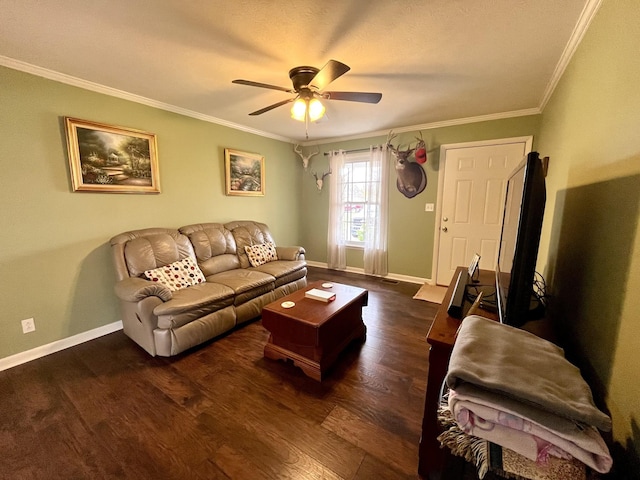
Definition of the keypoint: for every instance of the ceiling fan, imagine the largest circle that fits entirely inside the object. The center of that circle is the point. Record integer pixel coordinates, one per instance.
(308, 87)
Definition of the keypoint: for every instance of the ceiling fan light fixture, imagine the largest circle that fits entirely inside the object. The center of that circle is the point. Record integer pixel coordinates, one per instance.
(303, 107)
(316, 109)
(299, 109)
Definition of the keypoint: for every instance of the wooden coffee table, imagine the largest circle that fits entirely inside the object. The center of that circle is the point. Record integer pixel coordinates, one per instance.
(313, 333)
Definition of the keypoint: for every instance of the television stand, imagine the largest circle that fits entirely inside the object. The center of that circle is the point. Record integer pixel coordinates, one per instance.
(432, 459)
(441, 338)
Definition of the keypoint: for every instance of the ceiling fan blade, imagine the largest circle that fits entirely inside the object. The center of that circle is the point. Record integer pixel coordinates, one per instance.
(327, 74)
(262, 85)
(271, 107)
(365, 97)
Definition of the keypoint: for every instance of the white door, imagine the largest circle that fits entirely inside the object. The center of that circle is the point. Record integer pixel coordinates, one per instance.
(471, 200)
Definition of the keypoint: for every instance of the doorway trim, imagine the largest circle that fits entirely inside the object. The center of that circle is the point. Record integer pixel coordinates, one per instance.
(527, 140)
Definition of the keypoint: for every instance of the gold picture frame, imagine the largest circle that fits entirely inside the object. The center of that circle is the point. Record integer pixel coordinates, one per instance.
(244, 173)
(110, 159)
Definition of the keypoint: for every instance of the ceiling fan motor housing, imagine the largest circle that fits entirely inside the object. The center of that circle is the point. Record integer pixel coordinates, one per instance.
(302, 76)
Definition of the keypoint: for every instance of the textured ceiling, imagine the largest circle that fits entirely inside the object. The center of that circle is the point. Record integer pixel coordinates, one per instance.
(434, 61)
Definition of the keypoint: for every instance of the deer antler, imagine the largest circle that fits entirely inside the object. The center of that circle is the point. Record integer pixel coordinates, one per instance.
(320, 181)
(390, 136)
(400, 155)
(305, 158)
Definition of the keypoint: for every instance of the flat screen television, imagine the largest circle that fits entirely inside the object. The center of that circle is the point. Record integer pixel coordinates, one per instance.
(519, 241)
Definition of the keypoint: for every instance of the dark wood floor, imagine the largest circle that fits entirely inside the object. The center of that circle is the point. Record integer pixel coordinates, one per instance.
(106, 409)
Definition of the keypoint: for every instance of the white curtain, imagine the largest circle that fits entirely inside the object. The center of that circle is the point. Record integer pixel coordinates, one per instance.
(336, 251)
(377, 212)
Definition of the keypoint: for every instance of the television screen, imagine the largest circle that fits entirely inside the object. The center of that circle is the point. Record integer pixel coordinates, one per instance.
(519, 240)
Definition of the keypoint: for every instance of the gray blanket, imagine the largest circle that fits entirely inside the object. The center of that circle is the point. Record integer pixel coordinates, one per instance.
(523, 367)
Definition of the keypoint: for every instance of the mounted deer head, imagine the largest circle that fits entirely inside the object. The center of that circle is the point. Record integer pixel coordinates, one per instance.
(401, 156)
(305, 158)
(411, 177)
(320, 181)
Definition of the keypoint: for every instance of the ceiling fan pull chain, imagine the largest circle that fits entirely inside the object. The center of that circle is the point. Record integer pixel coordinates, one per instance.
(306, 123)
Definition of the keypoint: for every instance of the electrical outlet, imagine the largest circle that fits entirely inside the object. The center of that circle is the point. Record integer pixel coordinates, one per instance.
(28, 325)
(429, 207)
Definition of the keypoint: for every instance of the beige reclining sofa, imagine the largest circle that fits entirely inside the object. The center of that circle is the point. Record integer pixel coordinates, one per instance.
(180, 288)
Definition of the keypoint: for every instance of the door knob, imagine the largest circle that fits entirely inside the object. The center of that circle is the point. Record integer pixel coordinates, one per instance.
(445, 229)
(445, 219)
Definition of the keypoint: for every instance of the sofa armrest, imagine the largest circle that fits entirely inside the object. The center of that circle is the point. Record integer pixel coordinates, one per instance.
(134, 289)
(290, 253)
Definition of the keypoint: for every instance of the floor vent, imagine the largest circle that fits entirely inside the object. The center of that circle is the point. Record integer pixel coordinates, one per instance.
(392, 282)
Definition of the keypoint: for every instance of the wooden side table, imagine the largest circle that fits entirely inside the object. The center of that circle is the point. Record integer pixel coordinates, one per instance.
(441, 337)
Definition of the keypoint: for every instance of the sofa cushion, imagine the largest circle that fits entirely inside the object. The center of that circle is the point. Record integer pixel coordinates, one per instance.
(214, 245)
(285, 271)
(248, 233)
(188, 304)
(177, 275)
(150, 248)
(245, 283)
(282, 268)
(261, 254)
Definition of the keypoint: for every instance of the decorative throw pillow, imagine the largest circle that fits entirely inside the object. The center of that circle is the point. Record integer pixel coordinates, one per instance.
(261, 254)
(177, 275)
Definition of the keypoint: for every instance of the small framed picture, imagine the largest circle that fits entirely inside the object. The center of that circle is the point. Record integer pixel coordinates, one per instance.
(110, 159)
(244, 173)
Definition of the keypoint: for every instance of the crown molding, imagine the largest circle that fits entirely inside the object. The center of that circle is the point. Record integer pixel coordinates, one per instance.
(113, 92)
(586, 17)
(428, 126)
(98, 88)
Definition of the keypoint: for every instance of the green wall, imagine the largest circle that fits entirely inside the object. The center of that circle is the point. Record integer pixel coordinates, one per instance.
(54, 254)
(591, 240)
(411, 229)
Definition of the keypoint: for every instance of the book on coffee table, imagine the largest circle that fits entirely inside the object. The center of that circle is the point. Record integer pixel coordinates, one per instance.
(322, 295)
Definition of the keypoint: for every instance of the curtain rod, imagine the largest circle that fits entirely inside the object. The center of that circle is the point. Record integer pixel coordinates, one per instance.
(356, 150)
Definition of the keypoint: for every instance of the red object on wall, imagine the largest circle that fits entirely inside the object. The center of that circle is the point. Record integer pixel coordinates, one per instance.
(421, 150)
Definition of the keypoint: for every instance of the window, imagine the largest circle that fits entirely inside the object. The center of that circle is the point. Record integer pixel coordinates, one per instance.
(358, 208)
(354, 188)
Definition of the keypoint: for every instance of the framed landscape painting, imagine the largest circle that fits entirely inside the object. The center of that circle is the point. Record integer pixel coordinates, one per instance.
(105, 158)
(244, 173)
